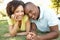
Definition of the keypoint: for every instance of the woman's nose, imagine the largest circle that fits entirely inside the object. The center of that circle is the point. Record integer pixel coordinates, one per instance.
(20, 14)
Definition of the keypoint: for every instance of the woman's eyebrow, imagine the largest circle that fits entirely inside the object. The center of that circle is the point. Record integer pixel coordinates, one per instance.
(22, 10)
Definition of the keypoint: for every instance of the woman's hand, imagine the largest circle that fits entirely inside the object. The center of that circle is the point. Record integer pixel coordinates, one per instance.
(15, 17)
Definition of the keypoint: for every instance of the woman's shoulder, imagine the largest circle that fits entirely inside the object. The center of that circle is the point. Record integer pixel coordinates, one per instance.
(25, 17)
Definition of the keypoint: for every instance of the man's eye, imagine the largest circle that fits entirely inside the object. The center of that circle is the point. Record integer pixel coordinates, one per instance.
(30, 11)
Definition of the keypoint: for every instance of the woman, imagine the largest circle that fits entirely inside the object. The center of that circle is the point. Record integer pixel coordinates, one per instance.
(17, 20)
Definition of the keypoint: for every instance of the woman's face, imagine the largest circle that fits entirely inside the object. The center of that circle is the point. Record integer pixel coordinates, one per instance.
(19, 12)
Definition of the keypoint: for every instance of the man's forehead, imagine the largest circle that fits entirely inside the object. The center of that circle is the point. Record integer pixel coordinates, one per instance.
(28, 8)
(30, 5)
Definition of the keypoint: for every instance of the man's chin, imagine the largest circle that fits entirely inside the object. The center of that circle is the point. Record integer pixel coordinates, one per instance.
(33, 18)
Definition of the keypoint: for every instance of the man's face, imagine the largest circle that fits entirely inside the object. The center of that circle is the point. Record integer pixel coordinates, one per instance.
(32, 11)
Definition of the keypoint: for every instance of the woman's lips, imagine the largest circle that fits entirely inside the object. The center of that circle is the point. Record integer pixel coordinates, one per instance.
(19, 17)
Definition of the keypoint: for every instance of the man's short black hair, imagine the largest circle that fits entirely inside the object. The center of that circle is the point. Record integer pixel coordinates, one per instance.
(28, 3)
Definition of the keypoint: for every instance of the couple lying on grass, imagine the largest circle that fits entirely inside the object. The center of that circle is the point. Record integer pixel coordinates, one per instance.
(24, 18)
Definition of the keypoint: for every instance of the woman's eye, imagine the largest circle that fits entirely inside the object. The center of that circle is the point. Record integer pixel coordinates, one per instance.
(22, 11)
(17, 11)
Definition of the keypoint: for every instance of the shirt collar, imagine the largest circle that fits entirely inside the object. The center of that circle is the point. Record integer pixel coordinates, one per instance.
(41, 13)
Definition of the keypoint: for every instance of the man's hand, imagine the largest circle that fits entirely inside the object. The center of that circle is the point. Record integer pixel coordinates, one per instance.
(31, 36)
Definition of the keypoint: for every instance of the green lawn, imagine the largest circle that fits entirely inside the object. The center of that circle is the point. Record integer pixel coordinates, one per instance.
(4, 29)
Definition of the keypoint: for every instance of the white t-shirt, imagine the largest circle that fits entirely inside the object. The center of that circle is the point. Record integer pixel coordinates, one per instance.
(47, 19)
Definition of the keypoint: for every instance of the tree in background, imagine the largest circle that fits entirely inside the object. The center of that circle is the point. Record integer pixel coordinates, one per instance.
(3, 12)
(56, 4)
(1, 1)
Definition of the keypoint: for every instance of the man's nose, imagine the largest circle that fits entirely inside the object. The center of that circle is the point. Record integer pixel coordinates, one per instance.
(30, 14)
(33, 16)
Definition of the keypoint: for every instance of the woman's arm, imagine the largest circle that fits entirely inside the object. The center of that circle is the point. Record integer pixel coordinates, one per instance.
(13, 29)
(28, 26)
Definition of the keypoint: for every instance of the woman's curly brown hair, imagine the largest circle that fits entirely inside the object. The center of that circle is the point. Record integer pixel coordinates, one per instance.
(12, 5)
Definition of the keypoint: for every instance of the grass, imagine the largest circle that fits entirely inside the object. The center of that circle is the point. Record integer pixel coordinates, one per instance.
(4, 29)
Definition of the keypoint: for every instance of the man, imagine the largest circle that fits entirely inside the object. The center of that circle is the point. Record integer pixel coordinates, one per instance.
(45, 20)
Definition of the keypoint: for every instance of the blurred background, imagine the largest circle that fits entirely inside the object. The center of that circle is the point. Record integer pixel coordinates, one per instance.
(53, 4)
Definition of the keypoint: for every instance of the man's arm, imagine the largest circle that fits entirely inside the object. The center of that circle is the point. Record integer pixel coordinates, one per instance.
(51, 35)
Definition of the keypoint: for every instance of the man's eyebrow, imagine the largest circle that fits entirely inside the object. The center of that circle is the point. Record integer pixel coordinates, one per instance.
(30, 11)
